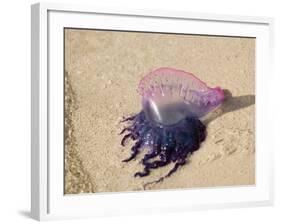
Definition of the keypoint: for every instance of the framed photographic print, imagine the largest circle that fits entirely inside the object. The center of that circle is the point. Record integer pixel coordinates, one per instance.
(148, 111)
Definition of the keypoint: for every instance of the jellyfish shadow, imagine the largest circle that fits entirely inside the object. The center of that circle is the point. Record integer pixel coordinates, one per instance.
(231, 104)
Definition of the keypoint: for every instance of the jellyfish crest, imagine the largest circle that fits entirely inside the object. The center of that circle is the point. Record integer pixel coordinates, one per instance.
(170, 95)
(207, 101)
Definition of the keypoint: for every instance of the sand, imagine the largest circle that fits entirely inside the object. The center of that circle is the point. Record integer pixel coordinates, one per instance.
(102, 71)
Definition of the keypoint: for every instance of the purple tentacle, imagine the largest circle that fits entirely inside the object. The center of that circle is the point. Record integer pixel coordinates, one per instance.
(135, 151)
(123, 141)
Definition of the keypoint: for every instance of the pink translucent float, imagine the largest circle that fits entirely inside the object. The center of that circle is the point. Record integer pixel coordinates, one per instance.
(170, 95)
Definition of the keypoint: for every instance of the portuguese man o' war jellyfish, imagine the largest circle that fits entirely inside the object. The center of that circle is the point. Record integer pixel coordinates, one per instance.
(169, 126)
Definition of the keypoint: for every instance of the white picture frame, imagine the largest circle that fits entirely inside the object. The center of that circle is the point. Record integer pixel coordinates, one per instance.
(48, 201)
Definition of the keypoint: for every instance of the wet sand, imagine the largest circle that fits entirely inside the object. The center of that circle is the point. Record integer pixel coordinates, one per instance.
(102, 71)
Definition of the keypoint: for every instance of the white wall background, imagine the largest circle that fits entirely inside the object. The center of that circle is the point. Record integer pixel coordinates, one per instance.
(15, 110)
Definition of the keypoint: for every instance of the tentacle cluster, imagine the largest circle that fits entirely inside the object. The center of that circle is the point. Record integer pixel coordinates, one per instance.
(165, 144)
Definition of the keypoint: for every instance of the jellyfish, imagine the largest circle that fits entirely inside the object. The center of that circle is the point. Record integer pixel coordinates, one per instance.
(169, 126)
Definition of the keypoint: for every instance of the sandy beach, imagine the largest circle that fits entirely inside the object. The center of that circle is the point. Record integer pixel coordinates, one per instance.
(102, 72)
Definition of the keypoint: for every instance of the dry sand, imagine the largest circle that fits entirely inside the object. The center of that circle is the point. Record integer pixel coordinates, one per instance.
(102, 71)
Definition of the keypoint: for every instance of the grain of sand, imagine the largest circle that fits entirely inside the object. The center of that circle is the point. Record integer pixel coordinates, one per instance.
(102, 71)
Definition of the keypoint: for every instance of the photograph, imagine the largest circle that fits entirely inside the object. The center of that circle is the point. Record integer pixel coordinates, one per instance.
(140, 112)
(157, 111)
